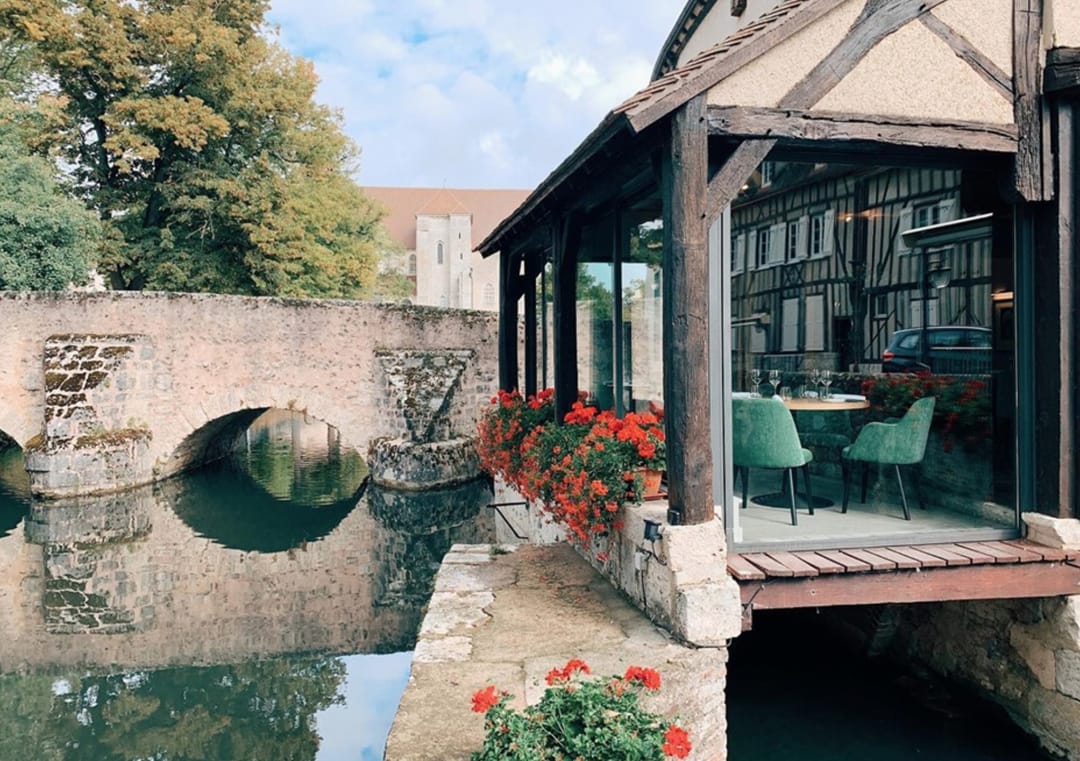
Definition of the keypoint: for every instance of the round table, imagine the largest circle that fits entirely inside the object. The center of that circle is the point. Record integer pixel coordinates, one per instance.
(826, 405)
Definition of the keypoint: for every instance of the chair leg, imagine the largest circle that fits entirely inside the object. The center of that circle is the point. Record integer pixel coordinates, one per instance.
(845, 467)
(903, 497)
(791, 494)
(916, 476)
(865, 480)
(809, 491)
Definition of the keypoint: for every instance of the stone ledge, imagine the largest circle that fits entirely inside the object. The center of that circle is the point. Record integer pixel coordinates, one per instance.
(510, 618)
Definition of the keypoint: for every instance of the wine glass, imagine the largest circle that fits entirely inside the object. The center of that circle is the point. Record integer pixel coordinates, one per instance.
(815, 379)
(826, 381)
(755, 382)
(774, 379)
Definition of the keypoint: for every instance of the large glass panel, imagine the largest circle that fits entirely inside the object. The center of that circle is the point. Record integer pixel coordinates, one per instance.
(643, 316)
(859, 292)
(595, 315)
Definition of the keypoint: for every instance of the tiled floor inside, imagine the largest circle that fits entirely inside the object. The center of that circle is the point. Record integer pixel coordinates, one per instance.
(881, 517)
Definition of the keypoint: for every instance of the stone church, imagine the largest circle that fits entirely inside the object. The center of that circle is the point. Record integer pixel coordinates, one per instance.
(439, 229)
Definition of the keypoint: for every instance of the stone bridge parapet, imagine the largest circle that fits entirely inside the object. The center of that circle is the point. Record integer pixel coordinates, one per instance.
(107, 391)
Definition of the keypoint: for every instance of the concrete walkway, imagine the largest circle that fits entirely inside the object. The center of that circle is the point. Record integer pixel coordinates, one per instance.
(507, 617)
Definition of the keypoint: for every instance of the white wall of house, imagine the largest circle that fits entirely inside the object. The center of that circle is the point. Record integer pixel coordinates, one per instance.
(719, 23)
(1063, 29)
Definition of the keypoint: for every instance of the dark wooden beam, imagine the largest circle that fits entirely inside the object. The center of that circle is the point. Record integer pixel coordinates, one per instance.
(533, 266)
(509, 292)
(1062, 69)
(564, 303)
(879, 19)
(700, 80)
(970, 55)
(725, 184)
(968, 582)
(800, 125)
(686, 316)
(1033, 178)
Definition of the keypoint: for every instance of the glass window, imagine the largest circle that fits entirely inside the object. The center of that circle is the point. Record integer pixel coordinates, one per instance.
(595, 315)
(889, 336)
(439, 252)
(642, 322)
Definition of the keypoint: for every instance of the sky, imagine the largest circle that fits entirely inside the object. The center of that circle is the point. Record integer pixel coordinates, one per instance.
(473, 93)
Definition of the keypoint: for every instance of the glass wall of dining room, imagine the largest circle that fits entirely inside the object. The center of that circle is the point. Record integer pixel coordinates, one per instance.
(876, 303)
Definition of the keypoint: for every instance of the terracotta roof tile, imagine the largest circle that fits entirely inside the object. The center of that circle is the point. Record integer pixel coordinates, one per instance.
(487, 207)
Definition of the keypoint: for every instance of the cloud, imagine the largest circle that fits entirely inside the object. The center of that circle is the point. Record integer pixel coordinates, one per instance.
(473, 93)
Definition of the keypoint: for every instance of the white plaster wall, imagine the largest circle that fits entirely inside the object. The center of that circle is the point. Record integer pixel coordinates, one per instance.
(485, 272)
(769, 78)
(719, 24)
(433, 279)
(1064, 23)
(913, 73)
(986, 24)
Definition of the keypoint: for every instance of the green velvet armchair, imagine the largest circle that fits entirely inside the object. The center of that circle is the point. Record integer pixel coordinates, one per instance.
(900, 443)
(764, 436)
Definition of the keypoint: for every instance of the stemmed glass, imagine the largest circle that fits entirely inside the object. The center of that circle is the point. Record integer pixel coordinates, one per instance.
(755, 382)
(826, 381)
(815, 379)
(774, 379)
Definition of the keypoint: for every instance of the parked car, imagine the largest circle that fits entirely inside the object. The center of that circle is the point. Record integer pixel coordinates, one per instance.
(955, 349)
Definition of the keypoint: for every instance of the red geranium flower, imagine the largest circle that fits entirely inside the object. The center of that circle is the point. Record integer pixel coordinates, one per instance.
(648, 678)
(676, 742)
(484, 699)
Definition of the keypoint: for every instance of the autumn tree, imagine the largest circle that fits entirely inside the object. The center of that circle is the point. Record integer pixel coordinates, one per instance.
(197, 140)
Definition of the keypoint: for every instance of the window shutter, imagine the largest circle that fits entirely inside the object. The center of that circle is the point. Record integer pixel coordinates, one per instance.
(757, 340)
(804, 232)
(789, 339)
(828, 230)
(738, 257)
(815, 323)
(947, 209)
(777, 241)
(905, 224)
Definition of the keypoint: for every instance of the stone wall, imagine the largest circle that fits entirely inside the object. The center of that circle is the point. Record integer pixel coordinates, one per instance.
(197, 360)
(1022, 654)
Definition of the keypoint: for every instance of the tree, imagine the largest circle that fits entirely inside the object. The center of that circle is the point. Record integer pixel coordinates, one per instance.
(198, 142)
(46, 237)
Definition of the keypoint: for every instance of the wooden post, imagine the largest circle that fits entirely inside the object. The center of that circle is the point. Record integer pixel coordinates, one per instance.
(1066, 388)
(686, 320)
(567, 239)
(529, 286)
(1033, 171)
(508, 313)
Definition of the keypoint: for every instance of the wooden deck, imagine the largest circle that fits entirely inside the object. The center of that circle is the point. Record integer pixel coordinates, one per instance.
(903, 574)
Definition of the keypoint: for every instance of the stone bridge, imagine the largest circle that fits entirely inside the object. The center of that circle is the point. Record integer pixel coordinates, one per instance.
(111, 390)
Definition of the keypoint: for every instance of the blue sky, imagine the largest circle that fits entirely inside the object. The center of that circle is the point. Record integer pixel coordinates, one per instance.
(473, 93)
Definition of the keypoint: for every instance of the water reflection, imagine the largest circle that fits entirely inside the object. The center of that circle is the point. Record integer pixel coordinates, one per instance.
(14, 488)
(245, 608)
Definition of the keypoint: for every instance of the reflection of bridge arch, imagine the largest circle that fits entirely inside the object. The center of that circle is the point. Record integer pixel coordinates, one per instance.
(14, 485)
(269, 480)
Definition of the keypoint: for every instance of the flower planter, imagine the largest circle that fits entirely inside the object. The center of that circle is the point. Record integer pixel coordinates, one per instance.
(650, 480)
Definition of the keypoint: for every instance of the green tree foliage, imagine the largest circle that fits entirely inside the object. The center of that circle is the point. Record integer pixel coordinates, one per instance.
(199, 143)
(46, 237)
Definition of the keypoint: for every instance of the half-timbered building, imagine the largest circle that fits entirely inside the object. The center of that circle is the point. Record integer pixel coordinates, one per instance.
(786, 209)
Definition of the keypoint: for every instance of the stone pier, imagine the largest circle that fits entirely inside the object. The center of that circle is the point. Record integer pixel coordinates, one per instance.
(506, 617)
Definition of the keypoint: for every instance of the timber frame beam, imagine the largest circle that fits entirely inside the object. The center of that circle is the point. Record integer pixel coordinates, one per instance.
(812, 126)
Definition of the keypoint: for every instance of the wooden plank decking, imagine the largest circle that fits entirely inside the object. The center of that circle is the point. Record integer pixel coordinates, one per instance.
(903, 574)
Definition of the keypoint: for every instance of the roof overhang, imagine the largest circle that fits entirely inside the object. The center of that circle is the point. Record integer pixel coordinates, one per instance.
(921, 74)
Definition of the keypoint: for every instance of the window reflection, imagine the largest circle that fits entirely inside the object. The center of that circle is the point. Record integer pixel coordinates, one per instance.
(823, 279)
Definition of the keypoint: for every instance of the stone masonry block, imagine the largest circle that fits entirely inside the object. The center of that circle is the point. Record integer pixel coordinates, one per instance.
(1053, 532)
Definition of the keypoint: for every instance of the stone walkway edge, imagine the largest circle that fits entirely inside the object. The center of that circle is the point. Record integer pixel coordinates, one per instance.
(506, 615)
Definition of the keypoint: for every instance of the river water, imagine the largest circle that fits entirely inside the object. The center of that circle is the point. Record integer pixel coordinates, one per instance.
(265, 609)
(261, 609)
